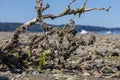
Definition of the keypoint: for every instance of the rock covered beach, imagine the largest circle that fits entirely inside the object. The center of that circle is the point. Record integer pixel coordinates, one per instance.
(72, 57)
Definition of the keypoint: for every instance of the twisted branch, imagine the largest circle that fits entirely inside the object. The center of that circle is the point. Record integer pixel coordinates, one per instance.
(104, 9)
(40, 10)
(69, 11)
(40, 17)
(46, 7)
(14, 40)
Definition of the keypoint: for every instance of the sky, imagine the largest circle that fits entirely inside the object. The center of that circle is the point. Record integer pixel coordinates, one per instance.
(24, 10)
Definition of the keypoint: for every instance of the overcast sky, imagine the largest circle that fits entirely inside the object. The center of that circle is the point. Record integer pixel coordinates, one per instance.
(23, 10)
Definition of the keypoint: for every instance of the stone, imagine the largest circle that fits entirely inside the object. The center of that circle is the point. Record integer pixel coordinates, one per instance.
(35, 72)
(18, 76)
(4, 78)
(96, 73)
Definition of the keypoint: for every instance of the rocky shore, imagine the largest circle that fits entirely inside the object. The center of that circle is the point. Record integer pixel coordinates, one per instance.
(71, 57)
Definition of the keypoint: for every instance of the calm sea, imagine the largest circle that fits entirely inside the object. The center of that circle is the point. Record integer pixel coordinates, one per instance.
(107, 32)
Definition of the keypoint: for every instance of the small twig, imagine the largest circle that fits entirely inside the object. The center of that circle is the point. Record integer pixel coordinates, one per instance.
(46, 7)
(85, 3)
(108, 8)
(71, 3)
(104, 9)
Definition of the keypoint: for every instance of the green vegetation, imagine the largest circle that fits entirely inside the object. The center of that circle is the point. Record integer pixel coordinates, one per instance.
(14, 53)
(27, 58)
(42, 61)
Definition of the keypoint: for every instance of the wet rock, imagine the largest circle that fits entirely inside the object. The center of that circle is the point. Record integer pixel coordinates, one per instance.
(4, 78)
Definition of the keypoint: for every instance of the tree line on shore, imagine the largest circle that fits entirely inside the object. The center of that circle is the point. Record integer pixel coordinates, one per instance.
(35, 28)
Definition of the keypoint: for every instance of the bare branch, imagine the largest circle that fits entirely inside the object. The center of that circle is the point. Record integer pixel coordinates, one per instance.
(72, 23)
(104, 9)
(39, 9)
(14, 40)
(108, 8)
(85, 3)
(71, 3)
(79, 10)
(46, 7)
(45, 27)
(69, 11)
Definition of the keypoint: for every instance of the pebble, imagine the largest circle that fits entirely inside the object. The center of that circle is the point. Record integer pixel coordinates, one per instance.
(35, 72)
(17, 76)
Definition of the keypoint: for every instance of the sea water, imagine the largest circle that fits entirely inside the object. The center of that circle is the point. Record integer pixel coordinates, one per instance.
(105, 32)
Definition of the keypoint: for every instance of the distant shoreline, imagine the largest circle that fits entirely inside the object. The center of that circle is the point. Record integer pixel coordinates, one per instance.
(36, 28)
(97, 32)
